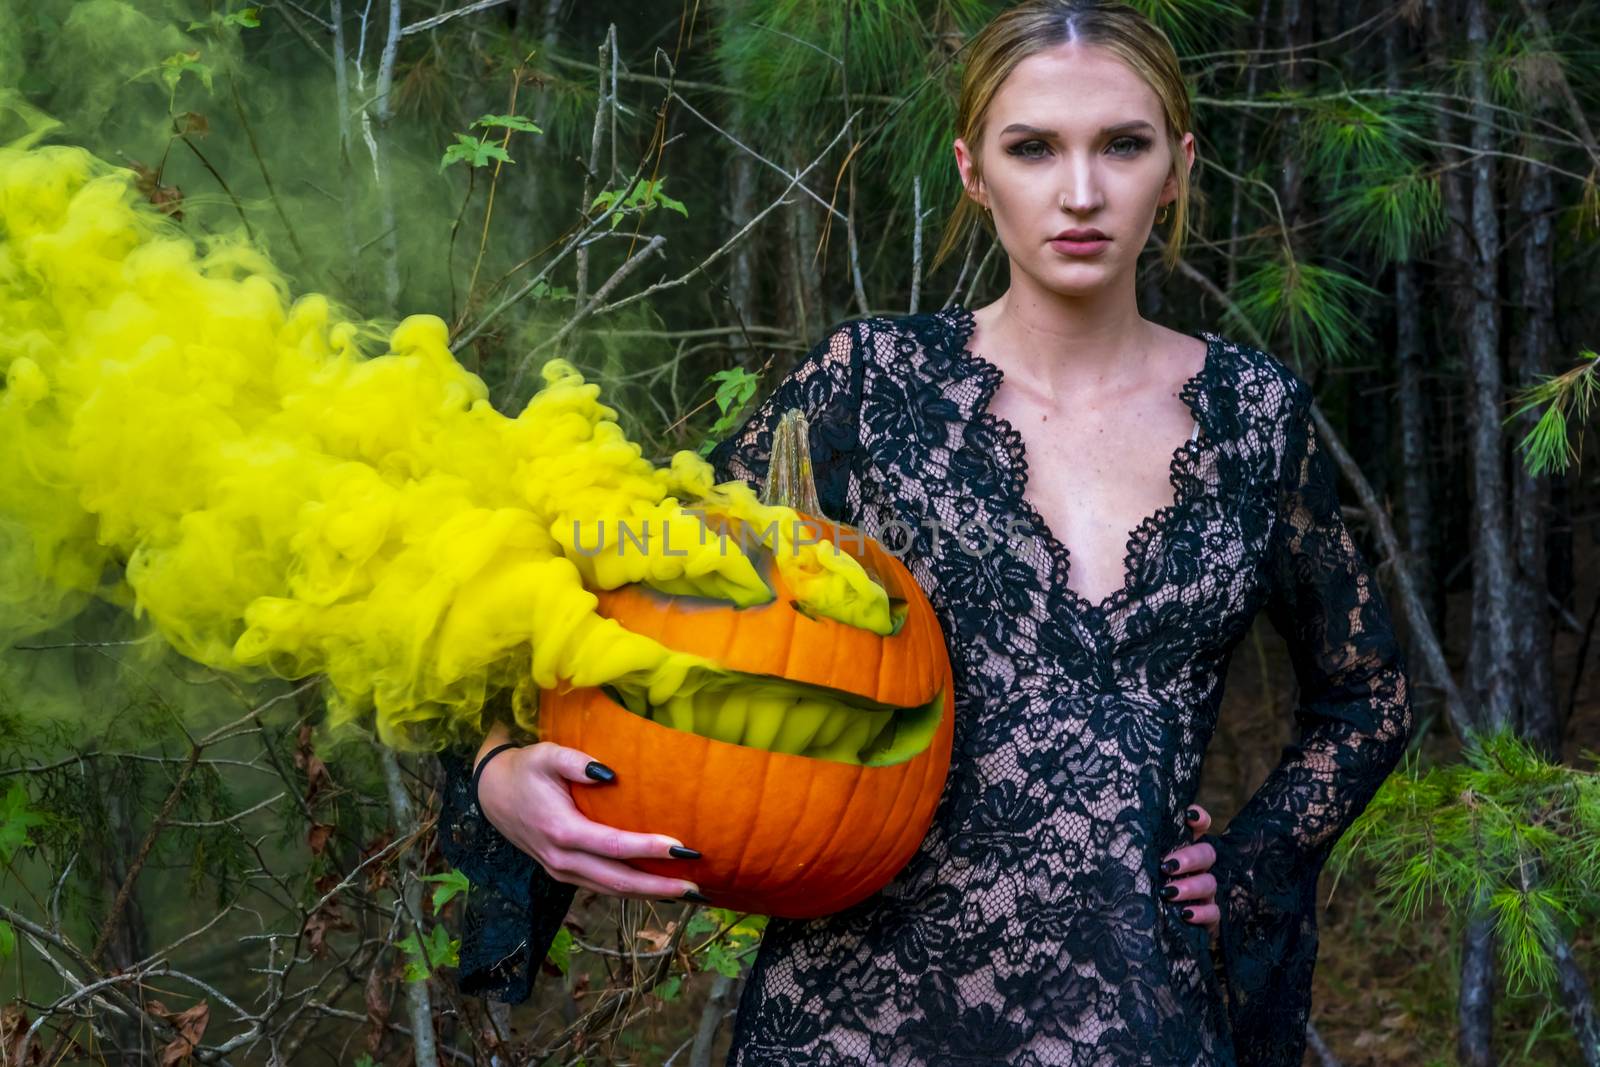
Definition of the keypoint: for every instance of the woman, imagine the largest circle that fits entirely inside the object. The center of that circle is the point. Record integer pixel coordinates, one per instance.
(1037, 923)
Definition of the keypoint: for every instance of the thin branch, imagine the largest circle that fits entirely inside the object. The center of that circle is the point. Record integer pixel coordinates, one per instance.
(439, 20)
(730, 242)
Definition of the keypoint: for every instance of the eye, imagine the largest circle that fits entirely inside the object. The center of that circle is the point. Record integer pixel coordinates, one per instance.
(1139, 144)
(1018, 149)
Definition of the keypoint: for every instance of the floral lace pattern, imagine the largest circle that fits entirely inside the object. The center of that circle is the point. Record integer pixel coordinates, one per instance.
(1027, 928)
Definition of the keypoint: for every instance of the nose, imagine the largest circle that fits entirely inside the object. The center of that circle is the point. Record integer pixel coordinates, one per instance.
(1080, 191)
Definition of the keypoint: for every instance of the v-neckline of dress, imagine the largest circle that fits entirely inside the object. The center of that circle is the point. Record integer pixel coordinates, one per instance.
(1140, 538)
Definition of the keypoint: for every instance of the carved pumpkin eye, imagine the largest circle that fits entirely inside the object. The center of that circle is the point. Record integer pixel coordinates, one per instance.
(806, 771)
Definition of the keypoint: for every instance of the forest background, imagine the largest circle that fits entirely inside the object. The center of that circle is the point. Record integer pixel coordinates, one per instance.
(1398, 200)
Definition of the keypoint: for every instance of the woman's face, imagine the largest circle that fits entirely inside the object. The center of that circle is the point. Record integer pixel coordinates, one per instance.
(1073, 139)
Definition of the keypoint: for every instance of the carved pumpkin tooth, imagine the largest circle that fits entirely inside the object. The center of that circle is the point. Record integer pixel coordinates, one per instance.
(800, 725)
(765, 719)
(847, 749)
(839, 716)
(705, 710)
(730, 713)
(678, 713)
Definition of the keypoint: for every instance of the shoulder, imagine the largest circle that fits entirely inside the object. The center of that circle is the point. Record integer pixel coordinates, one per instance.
(894, 332)
(1259, 381)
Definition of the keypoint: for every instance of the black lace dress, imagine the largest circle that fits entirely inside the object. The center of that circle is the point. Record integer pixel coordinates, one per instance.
(1028, 928)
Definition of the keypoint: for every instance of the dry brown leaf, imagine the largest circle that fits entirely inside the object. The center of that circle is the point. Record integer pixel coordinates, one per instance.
(317, 837)
(657, 939)
(13, 1025)
(190, 1024)
(317, 777)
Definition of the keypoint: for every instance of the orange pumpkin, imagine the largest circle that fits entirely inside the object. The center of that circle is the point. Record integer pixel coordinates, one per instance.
(781, 833)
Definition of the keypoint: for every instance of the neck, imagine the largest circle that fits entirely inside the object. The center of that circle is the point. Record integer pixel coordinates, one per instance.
(1057, 345)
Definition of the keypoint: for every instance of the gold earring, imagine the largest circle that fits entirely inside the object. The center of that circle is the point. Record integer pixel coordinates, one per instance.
(1162, 217)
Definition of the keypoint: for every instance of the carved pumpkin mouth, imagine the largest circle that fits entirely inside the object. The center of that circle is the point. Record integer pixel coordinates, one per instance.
(781, 715)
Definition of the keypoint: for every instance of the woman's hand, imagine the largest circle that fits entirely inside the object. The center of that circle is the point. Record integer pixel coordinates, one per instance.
(524, 792)
(1190, 885)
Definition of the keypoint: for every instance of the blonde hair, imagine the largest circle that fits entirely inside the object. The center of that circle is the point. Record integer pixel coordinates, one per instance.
(1037, 25)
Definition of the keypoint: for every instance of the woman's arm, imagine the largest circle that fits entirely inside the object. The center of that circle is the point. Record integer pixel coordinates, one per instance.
(514, 908)
(499, 734)
(1354, 722)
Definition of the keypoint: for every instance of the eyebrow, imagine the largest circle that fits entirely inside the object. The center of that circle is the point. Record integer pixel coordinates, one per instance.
(1121, 127)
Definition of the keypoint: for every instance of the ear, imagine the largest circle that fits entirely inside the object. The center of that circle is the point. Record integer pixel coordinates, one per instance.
(964, 165)
(1169, 189)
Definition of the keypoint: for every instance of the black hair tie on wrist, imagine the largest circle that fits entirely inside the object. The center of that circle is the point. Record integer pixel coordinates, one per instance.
(477, 772)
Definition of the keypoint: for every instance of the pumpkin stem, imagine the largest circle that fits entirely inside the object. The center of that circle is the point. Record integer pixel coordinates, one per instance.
(789, 479)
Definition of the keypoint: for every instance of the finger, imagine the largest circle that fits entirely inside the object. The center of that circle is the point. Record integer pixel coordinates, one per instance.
(1202, 914)
(577, 766)
(579, 834)
(1189, 859)
(617, 879)
(1198, 887)
(1199, 820)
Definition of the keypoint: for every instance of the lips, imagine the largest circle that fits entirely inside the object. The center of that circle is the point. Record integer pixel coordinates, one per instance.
(1080, 235)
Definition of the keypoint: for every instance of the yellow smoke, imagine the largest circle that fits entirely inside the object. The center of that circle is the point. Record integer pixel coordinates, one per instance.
(182, 438)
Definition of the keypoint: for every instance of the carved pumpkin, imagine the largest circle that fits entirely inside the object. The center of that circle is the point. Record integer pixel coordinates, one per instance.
(811, 775)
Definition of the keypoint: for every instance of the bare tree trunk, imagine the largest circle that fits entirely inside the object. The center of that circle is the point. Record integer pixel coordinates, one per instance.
(1475, 999)
(1540, 716)
(1411, 361)
(743, 271)
(805, 268)
(1493, 587)
(424, 1046)
(1578, 999)
(532, 190)
(1242, 134)
(1296, 32)
(724, 993)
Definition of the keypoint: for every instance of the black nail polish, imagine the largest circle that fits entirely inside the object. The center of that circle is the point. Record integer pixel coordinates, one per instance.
(599, 771)
(1188, 913)
(694, 895)
(682, 853)
(1168, 892)
(1193, 814)
(1169, 866)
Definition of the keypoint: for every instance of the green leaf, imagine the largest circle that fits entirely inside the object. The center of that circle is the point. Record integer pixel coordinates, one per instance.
(473, 152)
(510, 122)
(669, 989)
(437, 949)
(560, 952)
(543, 290)
(16, 817)
(721, 959)
(450, 885)
(8, 940)
(176, 65)
(642, 198)
(735, 389)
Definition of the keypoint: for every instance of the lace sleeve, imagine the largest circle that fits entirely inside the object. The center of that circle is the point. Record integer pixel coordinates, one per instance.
(513, 910)
(826, 385)
(1354, 721)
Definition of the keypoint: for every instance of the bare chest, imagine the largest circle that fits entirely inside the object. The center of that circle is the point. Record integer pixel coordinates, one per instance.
(1096, 474)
